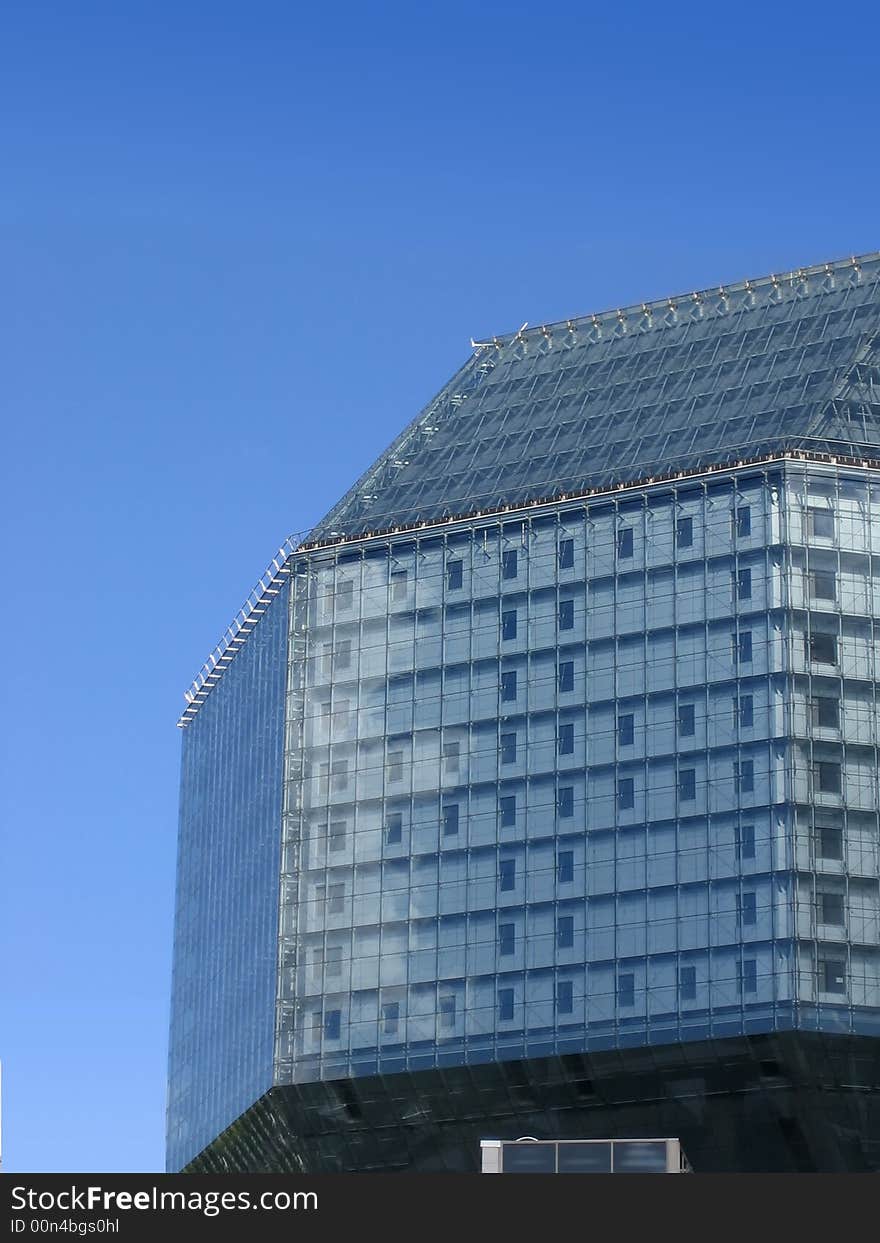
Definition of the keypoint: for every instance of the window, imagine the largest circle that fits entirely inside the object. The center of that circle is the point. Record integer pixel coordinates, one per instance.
(337, 834)
(447, 1010)
(564, 997)
(745, 841)
(624, 542)
(506, 875)
(332, 1024)
(566, 676)
(742, 646)
(744, 585)
(398, 585)
(686, 720)
(565, 932)
(823, 584)
(506, 938)
(339, 775)
(742, 521)
(341, 713)
(749, 976)
(390, 1018)
(508, 624)
(565, 802)
(505, 1004)
(342, 655)
(820, 523)
(822, 648)
(749, 908)
(687, 983)
(825, 712)
(395, 766)
(832, 975)
(565, 867)
(454, 575)
(508, 685)
(393, 828)
(829, 841)
(451, 756)
(826, 775)
(626, 989)
(344, 593)
(625, 729)
(507, 806)
(335, 899)
(508, 563)
(566, 554)
(684, 532)
(687, 785)
(566, 739)
(625, 793)
(450, 819)
(333, 960)
(744, 708)
(744, 774)
(508, 748)
(831, 909)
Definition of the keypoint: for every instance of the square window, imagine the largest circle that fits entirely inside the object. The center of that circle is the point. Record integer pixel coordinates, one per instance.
(625, 793)
(509, 567)
(822, 648)
(820, 523)
(337, 834)
(335, 899)
(507, 805)
(823, 584)
(393, 828)
(684, 532)
(825, 712)
(749, 908)
(626, 989)
(564, 997)
(332, 1024)
(566, 739)
(829, 841)
(742, 646)
(451, 756)
(744, 585)
(390, 1018)
(625, 729)
(505, 1004)
(506, 875)
(743, 521)
(687, 983)
(447, 1009)
(624, 542)
(454, 575)
(832, 975)
(398, 585)
(333, 960)
(686, 720)
(566, 614)
(745, 711)
(342, 654)
(395, 766)
(508, 748)
(508, 686)
(749, 977)
(687, 785)
(450, 819)
(344, 594)
(565, 932)
(565, 867)
(508, 624)
(566, 554)
(565, 802)
(506, 938)
(565, 676)
(744, 774)
(831, 909)
(745, 841)
(827, 776)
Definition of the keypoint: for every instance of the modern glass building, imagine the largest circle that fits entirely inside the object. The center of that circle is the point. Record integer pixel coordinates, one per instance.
(536, 790)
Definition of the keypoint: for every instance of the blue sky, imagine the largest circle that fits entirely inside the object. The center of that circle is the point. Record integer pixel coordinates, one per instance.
(241, 246)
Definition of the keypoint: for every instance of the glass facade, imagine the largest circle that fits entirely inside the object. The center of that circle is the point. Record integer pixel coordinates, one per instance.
(497, 815)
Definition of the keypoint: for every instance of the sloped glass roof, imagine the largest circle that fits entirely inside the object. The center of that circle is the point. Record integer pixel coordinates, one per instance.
(785, 362)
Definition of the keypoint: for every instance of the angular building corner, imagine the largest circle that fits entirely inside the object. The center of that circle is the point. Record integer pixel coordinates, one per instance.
(536, 790)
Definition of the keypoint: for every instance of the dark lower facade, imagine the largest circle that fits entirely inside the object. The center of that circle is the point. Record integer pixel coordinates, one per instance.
(792, 1102)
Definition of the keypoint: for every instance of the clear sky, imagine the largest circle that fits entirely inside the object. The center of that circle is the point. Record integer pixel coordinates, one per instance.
(241, 245)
